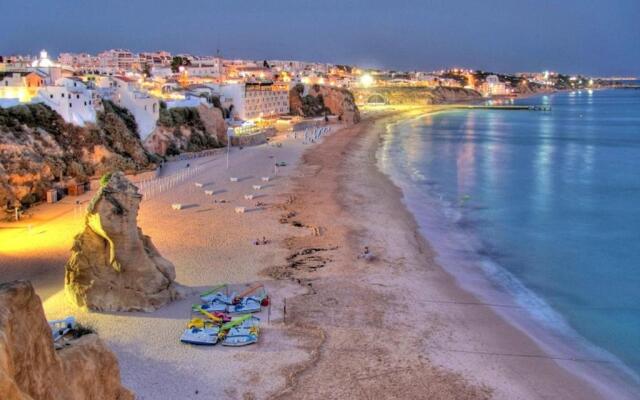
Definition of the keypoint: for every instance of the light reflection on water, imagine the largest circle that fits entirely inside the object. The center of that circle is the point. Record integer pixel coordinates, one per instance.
(554, 194)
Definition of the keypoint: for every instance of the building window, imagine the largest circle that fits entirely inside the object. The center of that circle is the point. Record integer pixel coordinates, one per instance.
(70, 105)
(51, 96)
(62, 95)
(77, 96)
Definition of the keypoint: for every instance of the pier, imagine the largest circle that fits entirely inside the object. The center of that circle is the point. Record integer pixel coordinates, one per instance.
(540, 107)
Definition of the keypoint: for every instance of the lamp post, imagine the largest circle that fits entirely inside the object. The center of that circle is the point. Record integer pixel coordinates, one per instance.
(229, 135)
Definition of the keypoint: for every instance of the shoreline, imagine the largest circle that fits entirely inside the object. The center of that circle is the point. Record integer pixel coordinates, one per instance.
(569, 348)
(545, 376)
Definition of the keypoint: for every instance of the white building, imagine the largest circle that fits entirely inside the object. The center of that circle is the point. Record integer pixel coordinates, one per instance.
(145, 108)
(117, 60)
(78, 61)
(257, 100)
(18, 87)
(155, 59)
(205, 67)
(70, 98)
(493, 87)
(52, 71)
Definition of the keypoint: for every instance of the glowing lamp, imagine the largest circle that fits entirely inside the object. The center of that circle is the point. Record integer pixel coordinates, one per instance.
(366, 80)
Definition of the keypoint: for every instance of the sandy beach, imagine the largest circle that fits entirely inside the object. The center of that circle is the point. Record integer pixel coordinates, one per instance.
(396, 327)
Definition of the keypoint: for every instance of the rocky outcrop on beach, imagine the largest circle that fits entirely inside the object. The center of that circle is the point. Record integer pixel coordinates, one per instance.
(322, 100)
(30, 367)
(113, 265)
(187, 129)
(38, 150)
(416, 95)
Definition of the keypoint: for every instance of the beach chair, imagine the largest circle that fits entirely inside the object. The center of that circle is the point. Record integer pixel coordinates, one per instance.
(176, 206)
(240, 210)
(208, 192)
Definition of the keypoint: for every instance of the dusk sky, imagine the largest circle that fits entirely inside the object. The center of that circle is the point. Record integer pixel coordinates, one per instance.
(599, 37)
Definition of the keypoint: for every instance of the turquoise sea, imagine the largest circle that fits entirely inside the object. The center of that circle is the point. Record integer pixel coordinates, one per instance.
(538, 213)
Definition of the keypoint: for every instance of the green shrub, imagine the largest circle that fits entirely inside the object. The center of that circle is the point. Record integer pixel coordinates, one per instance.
(104, 179)
(122, 113)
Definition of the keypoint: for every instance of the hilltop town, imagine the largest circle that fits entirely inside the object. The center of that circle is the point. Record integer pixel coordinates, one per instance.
(132, 110)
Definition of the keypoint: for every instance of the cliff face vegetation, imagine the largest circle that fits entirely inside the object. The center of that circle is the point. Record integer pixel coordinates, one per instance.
(39, 150)
(187, 129)
(323, 100)
(30, 368)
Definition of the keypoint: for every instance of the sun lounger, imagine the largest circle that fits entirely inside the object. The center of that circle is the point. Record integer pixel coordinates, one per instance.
(265, 179)
(199, 185)
(257, 187)
(233, 179)
(208, 192)
(240, 210)
(248, 197)
(176, 206)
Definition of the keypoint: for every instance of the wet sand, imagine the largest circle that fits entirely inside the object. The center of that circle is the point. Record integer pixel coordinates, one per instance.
(398, 327)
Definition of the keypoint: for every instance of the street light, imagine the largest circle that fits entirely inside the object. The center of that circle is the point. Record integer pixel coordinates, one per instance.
(366, 80)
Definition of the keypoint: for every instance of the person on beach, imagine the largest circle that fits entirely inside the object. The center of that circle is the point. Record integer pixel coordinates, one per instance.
(366, 254)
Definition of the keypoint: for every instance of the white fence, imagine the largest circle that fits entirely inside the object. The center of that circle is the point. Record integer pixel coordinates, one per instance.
(152, 187)
(310, 135)
(199, 154)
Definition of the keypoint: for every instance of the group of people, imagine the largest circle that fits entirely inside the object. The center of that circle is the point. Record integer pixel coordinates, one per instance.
(258, 242)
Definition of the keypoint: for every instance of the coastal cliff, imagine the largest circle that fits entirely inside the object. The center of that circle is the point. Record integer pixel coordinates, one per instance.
(415, 95)
(30, 367)
(187, 129)
(38, 150)
(321, 100)
(444, 95)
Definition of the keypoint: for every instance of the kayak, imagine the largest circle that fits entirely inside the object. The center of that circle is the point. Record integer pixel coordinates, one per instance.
(239, 340)
(203, 337)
